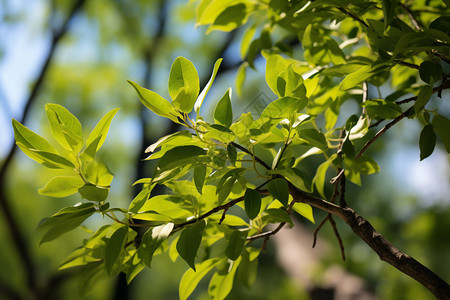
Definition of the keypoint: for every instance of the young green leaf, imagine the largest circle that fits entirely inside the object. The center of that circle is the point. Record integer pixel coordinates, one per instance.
(201, 97)
(441, 126)
(152, 239)
(223, 113)
(101, 129)
(304, 210)
(382, 109)
(156, 103)
(319, 178)
(65, 220)
(314, 137)
(184, 84)
(189, 242)
(252, 203)
(199, 177)
(222, 282)
(279, 189)
(424, 96)
(240, 77)
(48, 159)
(248, 269)
(179, 155)
(191, 278)
(235, 244)
(114, 246)
(93, 193)
(62, 186)
(276, 215)
(427, 141)
(232, 154)
(284, 108)
(29, 139)
(66, 128)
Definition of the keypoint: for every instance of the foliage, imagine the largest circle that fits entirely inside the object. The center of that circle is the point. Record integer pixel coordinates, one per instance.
(348, 47)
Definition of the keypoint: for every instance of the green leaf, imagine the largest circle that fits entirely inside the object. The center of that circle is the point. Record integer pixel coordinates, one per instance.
(66, 128)
(314, 137)
(184, 84)
(382, 109)
(191, 278)
(304, 210)
(152, 239)
(296, 177)
(199, 177)
(363, 73)
(232, 154)
(424, 96)
(274, 66)
(97, 173)
(430, 71)
(279, 189)
(240, 77)
(319, 178)
(361, 166)
(441, 126)
(184, 135)
(62, 186)
(221, 283)
(114, 246)
(156, 103)
(179, 155)
(231, 18)
(245, 42)
(189, 242)
(427, 141)
(276, 215)
(140, 198)
(93, 193)
(101, 129)
(201, 97)
(284, 108)
(223, 113)
(248, 269)
(48, 159)
(65, 220)
(236, 243)
(252, 203)
(29, 139)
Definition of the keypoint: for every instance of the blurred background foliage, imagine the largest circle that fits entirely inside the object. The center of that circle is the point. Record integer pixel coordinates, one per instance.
(107, 42)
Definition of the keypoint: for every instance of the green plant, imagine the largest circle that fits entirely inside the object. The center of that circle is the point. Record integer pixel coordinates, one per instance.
(223, 192)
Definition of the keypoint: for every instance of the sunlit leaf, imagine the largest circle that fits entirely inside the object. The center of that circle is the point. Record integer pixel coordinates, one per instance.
(62, 186)
(184, 84)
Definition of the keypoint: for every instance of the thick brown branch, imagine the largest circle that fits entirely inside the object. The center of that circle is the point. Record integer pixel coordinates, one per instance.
(384, 249)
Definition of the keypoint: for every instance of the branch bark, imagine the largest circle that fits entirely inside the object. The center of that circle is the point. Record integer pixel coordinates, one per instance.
(382, 247)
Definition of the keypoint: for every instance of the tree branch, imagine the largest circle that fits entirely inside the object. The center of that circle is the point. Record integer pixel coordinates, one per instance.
(384, 249)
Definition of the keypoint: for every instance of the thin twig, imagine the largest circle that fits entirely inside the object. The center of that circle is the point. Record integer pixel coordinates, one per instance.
(406, 64)
(316, 232)
(353, 16)
(219, 208)
(411, 16)
(382, 131)
(338, 236)
(260, 161)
